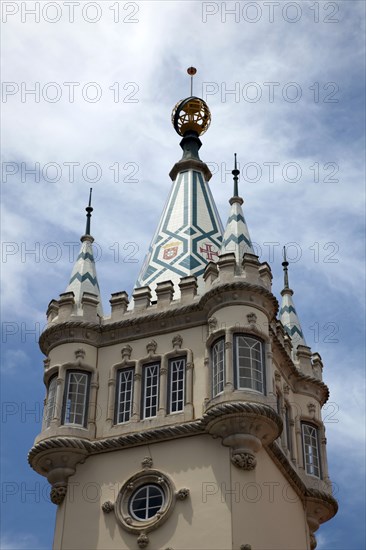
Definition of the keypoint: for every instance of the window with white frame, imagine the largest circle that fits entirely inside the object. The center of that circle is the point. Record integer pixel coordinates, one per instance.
(150, 396)
(311, 449)
(51, 401)
(177, 368)
(124, 395)
(146, 502)
(76, 398)
(249, 363)
(218, 367)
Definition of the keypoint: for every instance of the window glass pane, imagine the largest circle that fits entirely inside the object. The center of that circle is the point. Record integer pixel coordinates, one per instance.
(311, 451)
(76, 394)
(177, 368)
(51, 401)
(151, 390)
(218, 367)
(249, 363)
(146, 502)
(124, 395)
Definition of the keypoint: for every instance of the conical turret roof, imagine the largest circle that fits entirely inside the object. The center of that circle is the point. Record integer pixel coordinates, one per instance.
(288, 314)
(236, 236)
(189, 233)
(84, 275)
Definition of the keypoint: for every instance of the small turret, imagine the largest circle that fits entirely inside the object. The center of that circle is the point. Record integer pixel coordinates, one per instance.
(236, 237)
(288, 315)
(84, 276)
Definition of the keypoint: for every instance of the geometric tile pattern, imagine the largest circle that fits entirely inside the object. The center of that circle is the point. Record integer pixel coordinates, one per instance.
(236, 237)
(84, 275)
(188, 236)
(290, 320)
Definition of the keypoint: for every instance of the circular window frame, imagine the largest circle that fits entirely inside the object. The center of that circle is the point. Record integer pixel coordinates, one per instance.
(122, 507)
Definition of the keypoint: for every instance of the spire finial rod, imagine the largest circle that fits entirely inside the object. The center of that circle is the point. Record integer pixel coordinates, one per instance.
(235, 173)
(191, 71)
(285, 268)
(89, 210)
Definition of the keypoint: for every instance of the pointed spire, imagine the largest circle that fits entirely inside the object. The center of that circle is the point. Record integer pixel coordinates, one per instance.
(288, 315)
(189, 234)
(89, 210)
(235, 173)
(84, 275)
(236, 236)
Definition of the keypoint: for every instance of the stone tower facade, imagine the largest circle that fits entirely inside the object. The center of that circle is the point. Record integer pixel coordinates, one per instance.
(189, 417)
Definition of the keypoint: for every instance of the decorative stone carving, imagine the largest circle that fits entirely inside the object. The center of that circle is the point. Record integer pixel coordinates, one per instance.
(228, 345)
(126, 352)
(245, 428)
(277, 376)
(58, 464)
(252, 318)
(212, 324)
(311, 408)
(80, 353)
(147, 462)
(163, 371)
(313, 543)
(244, 461)
(177, 342)
(58, 493)
(137, 376)
(46, 362)
(151, 347)
(107, 507)
(182, 494)
(143, 540)
(286, 388)
(245, 547)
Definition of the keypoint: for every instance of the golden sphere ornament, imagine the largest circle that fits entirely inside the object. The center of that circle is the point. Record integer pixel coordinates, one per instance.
(191, 115)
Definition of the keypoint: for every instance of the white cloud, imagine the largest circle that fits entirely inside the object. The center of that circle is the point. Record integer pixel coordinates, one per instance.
(14, 360)
(19, 541)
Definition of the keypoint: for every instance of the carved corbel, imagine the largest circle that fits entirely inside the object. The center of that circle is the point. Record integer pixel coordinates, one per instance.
(58, 465)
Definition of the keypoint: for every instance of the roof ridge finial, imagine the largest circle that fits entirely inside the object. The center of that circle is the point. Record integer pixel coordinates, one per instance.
(235, 173)
(89, 210)
(191, 71)
(285, 268)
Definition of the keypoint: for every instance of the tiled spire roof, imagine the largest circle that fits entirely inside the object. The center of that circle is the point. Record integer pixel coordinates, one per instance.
(84, 275)
(189, 233)
(288, 314)
(236, 236)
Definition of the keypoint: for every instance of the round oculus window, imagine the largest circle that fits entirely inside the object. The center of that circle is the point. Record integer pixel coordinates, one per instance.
(146, 502)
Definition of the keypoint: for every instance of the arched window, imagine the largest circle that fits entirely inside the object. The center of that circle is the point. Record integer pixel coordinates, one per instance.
(249, 363)
(218, 367)
(311, 449)
(76, 397)
(51, 401)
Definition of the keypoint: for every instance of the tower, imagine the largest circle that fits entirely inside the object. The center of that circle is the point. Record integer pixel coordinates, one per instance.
(189, 418)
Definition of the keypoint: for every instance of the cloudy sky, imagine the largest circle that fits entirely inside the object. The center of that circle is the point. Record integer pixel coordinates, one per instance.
(87, 93)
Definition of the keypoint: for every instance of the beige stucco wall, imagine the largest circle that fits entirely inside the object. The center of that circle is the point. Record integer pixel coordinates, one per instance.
(266, 512)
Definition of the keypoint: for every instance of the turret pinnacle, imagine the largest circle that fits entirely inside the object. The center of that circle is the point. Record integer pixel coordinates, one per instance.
(288, 315)
(190, 232)
(236, 236)
(84, 276)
